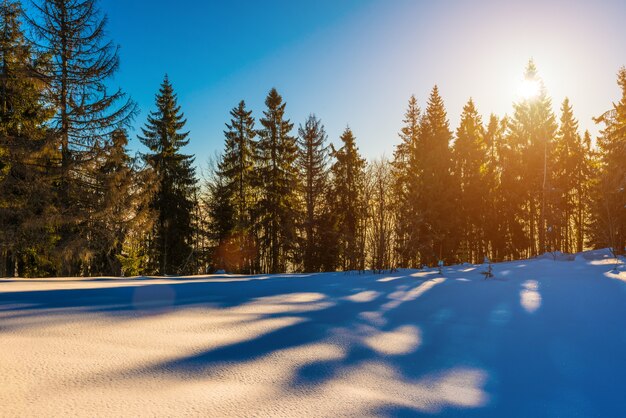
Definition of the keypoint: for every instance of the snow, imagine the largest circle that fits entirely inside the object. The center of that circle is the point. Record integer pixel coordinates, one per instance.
(544, 337)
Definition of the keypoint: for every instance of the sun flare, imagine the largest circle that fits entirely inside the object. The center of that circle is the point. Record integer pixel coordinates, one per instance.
(528, 89)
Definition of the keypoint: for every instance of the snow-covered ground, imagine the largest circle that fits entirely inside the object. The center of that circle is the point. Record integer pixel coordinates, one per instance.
(543, 338)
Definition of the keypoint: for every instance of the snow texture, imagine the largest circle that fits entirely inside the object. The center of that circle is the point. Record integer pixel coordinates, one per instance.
(542, 338)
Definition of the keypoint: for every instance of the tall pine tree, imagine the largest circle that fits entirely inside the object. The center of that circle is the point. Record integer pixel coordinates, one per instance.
(609, 218)
(277, 179)
(232, 195)
(82, 61)
(348, 176)
(171, 246)
(532, 129)
(570, 155)
(120, 212)
(28, 212)
(436, 189)
(313, 154)
(470, 157)
(583, 191)
(495, 212)
(406, 173)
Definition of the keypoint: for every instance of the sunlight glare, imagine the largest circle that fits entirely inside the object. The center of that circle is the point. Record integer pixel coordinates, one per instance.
(528, 89)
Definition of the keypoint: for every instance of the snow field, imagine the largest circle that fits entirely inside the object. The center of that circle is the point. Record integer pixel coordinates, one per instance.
(545, 337)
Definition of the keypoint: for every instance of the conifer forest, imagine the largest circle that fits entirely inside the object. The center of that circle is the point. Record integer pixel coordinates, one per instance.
(281, 196)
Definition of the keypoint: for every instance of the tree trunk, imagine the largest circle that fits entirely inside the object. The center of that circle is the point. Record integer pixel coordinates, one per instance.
(3, 263)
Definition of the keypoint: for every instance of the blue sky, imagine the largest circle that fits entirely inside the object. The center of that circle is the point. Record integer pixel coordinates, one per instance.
(356, 62)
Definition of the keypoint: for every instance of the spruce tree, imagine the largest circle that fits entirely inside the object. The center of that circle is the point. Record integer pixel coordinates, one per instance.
(569, 161)
(313, 154)
(238, 162)
(225, 253)
(27, 156)
(277, 180)
(436, 189)
(120, 212)
(470, 158)
(72, 33)
(583, 186)
(494, 216)
(173, 234)
(232, 194)
(22, 87)
(532, 130)
(406, 173)
(329, 231)
(348, 176)
(609, 217)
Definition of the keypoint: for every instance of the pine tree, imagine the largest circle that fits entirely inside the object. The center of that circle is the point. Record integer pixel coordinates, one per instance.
(531, 131)
(171, 246)
(470, 158)
(348, 176)
(120, 211)
(277, 177)
(569, 156)
(609, 218)
(27, 156)
(82, 61)
(513, 197)
(22, 109)
(328, 234)
(436, 189)
(232, 209)
(494, 215)
(313, 154)
(583, 186)
(406, 173)
(73, 34)
(225, 253)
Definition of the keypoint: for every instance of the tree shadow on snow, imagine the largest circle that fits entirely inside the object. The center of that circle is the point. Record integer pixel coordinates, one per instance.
(544, 356)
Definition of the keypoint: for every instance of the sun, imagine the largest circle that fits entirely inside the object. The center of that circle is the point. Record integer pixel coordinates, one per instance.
(529, 89)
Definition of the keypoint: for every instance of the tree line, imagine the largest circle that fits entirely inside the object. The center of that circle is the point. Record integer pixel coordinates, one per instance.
(73, 201)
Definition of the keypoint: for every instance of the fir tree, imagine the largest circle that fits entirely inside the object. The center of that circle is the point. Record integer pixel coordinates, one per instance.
(583, 187)
(329, 231)
(22, 108)
(27, 155)
(406, 173)
(570, 161)
(436, 189)
(225, 253)
(348, 176)
(232, 208)
(171, 246)
(532, 130)
(82, 61)
(470, 157)
(609, 218)
(238, 162)
(513, 241)
(313, 154)
(73, 34)
(277, 178)
(120, 213)
(493, 214)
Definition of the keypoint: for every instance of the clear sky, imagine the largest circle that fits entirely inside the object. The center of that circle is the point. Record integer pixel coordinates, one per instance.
(356, 62)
